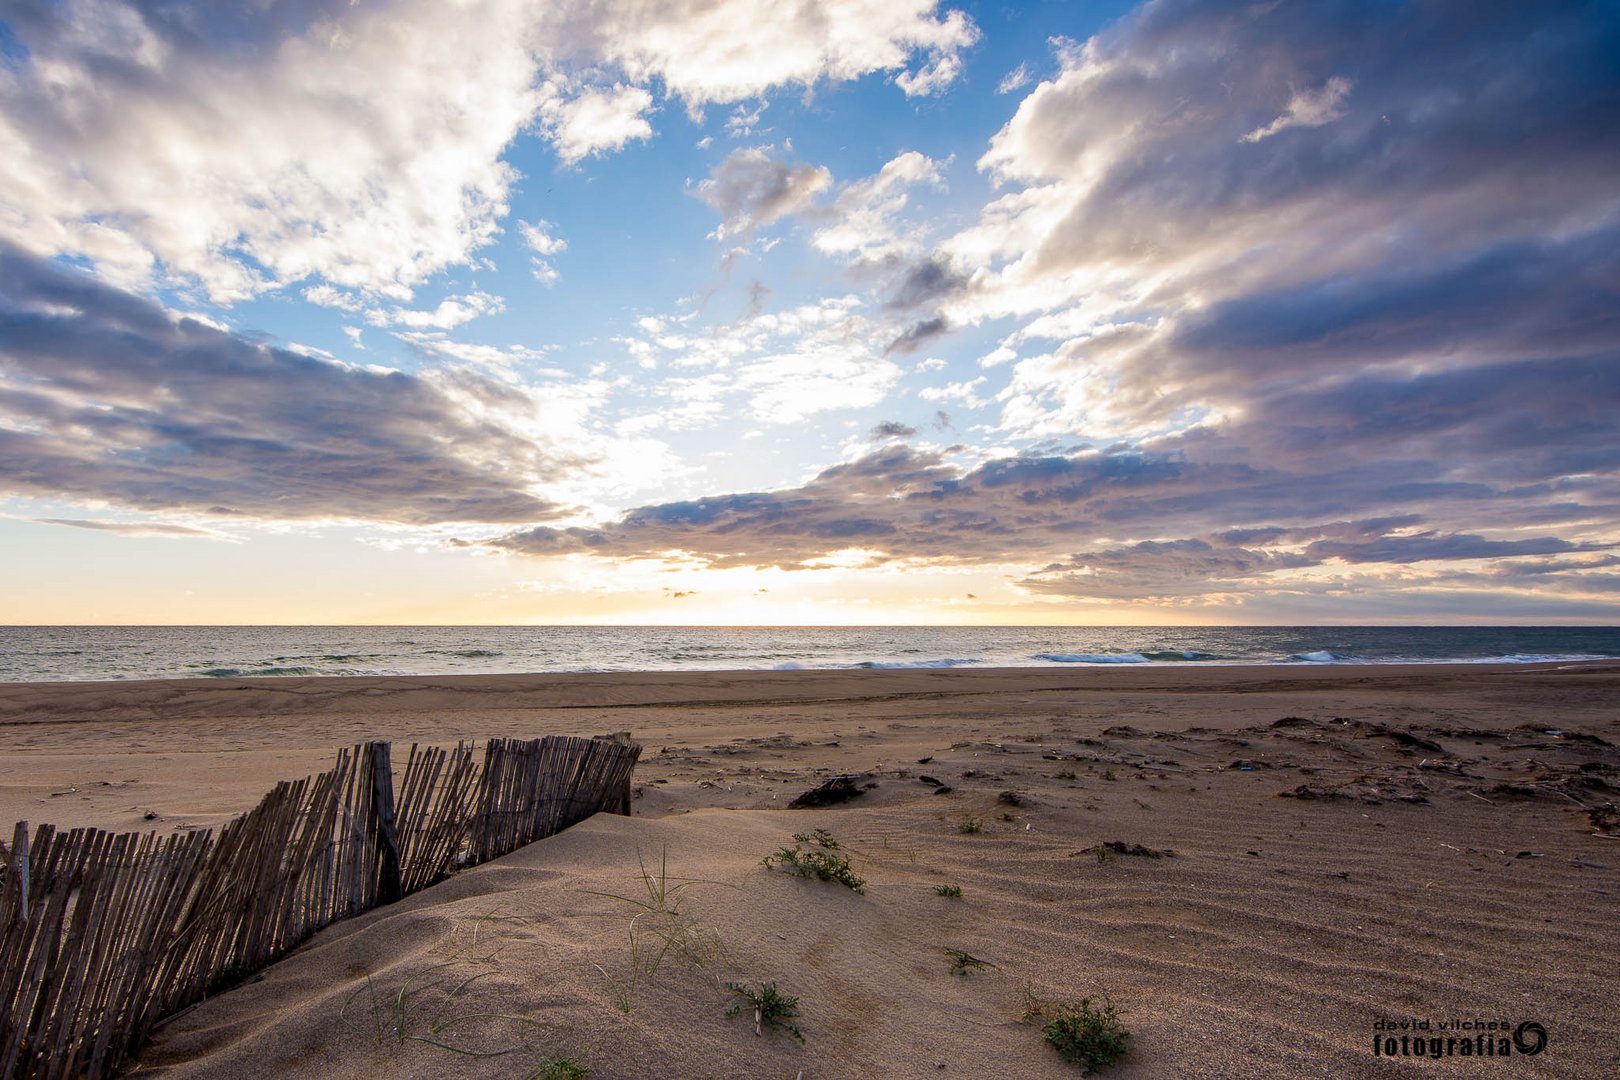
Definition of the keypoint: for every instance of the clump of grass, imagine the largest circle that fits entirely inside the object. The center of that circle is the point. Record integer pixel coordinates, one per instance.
(970, 825)
(660, 928)
(771, 1008)
(1110, 775)
(963, 962)
(949, 890)
(1066, 774)
(403, 1016)
(559, 1069)
(817, 855)
(1087, 1035)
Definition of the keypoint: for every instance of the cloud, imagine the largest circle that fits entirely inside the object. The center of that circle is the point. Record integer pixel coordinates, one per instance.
(865, 224)
(1016, 79)
(138, 528)
(890, 429)
(107, 397)
(247, 147)
(752, 188)
(1134, 215)
(450, 313)
(593, 119)
(710, 52)
(1308, 108)
(785, 366)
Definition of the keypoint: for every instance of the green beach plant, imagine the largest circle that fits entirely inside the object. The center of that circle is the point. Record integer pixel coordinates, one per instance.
(771, 1008)
(954, 891)
(816, 855)
(1087, 1035)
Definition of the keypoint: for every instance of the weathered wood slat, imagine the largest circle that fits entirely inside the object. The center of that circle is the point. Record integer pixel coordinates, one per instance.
(102, 935)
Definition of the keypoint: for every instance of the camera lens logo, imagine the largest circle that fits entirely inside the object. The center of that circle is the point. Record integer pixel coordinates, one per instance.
(1529, 1038)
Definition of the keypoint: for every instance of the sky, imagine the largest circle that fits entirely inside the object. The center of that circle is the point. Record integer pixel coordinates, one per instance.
(834, 311)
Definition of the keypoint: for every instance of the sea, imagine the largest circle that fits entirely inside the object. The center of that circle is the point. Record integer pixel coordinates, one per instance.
(53, 653)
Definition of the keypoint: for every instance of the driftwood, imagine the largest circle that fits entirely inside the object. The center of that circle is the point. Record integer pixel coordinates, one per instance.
(103, 935)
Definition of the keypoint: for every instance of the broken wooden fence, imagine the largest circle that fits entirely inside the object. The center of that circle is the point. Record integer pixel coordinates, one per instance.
(102, 935)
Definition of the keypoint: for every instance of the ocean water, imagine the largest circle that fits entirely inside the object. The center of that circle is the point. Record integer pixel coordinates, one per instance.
(41, 653)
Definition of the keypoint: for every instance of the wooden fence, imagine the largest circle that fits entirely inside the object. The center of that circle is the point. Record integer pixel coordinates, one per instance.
(103, 935)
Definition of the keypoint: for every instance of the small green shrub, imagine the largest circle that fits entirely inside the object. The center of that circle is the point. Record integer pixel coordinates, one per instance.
(771, 1009)
(817, 855)
(1086, 1035)
(970, 825)
(949, 890)
(559, 1069)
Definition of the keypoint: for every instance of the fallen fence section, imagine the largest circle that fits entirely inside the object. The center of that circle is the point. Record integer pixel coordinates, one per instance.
(102, 934)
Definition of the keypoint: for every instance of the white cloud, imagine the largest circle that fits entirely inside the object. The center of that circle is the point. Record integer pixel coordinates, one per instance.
(744, 120)
(785, 365)
(540, 241)
(595, 119)
(1016, 79)
(326, 296)
(537, 236)
(1308, 108)
(709, 52)
(964, 393)
(866, 209)
(451, 312)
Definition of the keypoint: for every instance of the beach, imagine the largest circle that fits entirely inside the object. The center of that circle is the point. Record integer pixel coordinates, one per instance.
(1268, 870)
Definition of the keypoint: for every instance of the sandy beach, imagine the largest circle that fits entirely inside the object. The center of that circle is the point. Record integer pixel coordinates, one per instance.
(1303, 855)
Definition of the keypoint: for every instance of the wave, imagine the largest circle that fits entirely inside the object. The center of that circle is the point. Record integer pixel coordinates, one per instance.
(242, 673)
(886, 665)
(1094, 658)
(1181, 656)
(1321, 656)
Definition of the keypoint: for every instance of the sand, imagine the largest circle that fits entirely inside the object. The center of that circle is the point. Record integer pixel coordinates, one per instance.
(1350, 846)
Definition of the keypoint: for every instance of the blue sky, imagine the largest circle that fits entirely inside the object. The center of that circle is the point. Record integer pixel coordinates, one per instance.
(721, 311)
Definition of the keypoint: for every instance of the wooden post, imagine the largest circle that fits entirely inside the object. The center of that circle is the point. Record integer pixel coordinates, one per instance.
(19, 862)
(621, 738)
(390, 887)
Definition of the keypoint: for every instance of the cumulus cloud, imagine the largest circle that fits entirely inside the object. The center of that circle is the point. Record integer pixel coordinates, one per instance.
(753, 188)
(107, 397)
(245, 147)
(593, 119)
(720, 53)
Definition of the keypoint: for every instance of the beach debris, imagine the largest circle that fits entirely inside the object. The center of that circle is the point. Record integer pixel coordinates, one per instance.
(831, 792)
(1119, 847)
(943, 789)
(925, 760)
(926, 779)
(964, 962)
(1011, 798)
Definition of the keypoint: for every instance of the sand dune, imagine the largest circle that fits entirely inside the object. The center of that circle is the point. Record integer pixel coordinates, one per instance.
(1349, 846)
